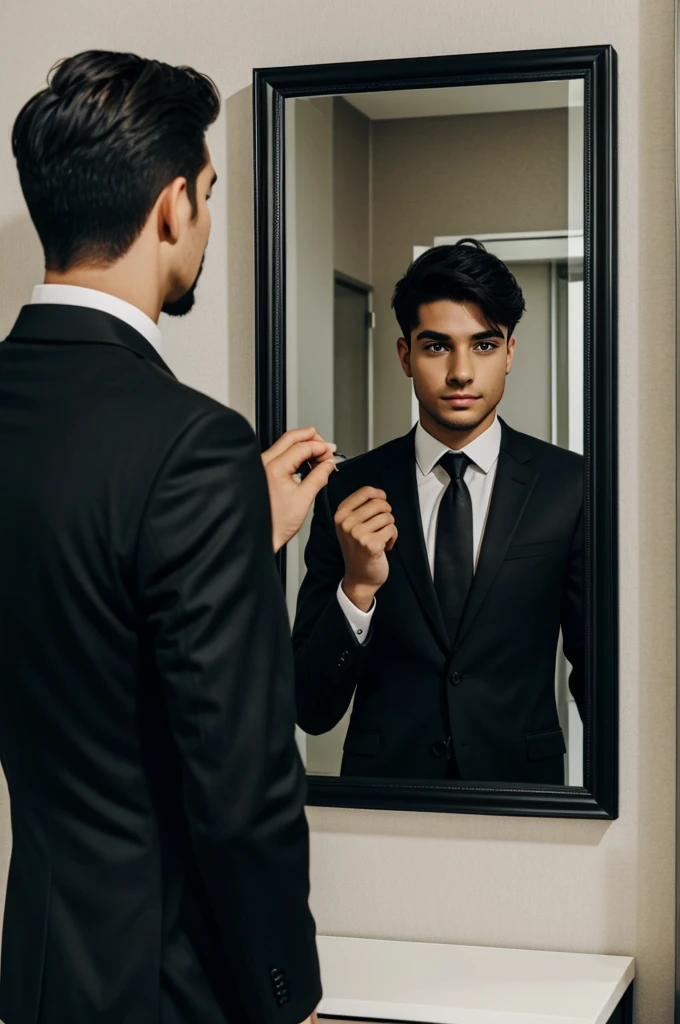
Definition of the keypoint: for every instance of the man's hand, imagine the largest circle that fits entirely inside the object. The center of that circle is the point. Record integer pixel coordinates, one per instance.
(290, 497)
(365, 527)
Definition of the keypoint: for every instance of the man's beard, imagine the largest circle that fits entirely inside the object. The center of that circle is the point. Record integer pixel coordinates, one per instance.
(461, 427)
(184, 305)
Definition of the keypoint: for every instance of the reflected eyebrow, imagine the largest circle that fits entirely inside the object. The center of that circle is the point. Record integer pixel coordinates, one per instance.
(432, 336)
(486, 335)
(438, 336)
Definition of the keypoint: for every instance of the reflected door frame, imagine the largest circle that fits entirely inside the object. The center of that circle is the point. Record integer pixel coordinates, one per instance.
(367, 290)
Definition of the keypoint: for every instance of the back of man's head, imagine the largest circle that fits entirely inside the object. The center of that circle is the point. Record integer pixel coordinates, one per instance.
(97, 147)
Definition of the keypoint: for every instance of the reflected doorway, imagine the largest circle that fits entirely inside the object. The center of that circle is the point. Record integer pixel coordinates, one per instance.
(352, 323)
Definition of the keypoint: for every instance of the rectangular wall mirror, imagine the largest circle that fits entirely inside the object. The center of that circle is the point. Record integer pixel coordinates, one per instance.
(470, 665)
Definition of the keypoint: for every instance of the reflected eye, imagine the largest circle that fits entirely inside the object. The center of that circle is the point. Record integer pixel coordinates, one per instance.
(485, 346)
(436, 347)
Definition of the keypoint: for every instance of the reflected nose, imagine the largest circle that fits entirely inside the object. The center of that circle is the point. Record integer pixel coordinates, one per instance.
(460, 371)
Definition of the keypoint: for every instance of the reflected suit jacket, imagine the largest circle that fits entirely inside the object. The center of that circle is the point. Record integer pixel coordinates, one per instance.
(159, 871)
(491, 695)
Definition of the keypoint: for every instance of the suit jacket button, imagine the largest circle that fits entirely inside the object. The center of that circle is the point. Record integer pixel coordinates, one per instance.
(343, 658)
(455, 678)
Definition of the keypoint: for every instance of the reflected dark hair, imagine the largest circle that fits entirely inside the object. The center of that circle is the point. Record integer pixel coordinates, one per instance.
(464, 272)
(96, 148)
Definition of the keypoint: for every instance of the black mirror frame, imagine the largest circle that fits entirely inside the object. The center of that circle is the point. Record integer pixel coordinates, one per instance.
(596, 65)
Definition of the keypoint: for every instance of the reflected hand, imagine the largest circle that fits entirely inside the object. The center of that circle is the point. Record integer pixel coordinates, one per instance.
(365, 527)
(290, 497)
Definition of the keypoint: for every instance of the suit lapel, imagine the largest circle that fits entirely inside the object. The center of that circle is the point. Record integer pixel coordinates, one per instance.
(80, 324)
(515, 480)
(399, 483)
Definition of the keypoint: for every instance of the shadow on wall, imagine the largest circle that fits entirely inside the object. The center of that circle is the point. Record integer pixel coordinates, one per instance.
(240, 253)
(21, 267)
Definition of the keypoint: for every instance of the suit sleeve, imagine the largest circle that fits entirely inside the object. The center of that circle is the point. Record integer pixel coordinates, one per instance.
(214, 607)
(328, 656)
(573, 616)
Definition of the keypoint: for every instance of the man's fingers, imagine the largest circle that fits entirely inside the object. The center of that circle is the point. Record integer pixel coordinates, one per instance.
(289, 461)
(287, 440)
(318, 478)
(356, 500)
(373, 526)
(383, 540)
(393, 539)
(365, 512)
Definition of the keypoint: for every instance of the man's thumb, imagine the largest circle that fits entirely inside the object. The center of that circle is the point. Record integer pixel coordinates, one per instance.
(318, 478)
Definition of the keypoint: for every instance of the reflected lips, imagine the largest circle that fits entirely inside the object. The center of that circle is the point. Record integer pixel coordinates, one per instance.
(461, 401)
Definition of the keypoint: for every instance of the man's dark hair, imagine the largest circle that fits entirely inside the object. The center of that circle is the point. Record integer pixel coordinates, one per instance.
(97, 147)
(464, 272)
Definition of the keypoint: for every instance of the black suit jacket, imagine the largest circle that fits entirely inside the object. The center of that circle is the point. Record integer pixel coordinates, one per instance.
(159, 870)
(493, 693)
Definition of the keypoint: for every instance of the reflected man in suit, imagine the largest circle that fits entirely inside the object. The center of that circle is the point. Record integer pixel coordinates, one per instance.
(147, 725)
(442, 566)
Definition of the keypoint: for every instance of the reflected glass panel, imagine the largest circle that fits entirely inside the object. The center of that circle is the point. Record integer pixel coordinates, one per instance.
(375, 182)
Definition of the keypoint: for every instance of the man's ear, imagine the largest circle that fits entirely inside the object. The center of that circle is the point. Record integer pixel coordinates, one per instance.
(404, 353)
(169, 210)
(511, 355)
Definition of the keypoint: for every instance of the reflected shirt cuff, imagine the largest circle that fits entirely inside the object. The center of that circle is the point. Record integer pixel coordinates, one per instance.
(359, 622)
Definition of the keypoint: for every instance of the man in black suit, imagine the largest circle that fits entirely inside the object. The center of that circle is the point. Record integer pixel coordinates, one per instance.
(442, 565)
(159, 869)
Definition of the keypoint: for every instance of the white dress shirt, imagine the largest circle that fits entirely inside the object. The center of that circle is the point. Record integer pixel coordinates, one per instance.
(432, 480)
(73, 295)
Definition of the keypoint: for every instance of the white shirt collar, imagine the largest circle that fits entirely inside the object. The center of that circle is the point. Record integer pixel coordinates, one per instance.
(74, 295)
(483, 451)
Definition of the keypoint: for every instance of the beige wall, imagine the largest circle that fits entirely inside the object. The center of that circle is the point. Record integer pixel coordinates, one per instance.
(351, 183)
(310, 265)
(474, 174)
(309, 284)
(524, 882)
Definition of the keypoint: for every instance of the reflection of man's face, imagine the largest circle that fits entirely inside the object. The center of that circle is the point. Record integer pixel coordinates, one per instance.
(458, 363)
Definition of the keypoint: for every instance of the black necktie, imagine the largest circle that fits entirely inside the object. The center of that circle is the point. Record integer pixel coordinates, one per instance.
(453, 558)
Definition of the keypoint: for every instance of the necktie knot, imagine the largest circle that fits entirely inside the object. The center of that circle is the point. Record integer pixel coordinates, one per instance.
(455, 465)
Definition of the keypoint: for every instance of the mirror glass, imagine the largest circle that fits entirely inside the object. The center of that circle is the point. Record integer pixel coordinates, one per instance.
(469, 664)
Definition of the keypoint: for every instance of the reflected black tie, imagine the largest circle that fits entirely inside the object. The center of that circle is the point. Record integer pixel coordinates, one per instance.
(453, 558)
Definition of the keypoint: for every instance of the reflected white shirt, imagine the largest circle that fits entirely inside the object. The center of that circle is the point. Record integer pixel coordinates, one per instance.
(74, 295)
(432, 480)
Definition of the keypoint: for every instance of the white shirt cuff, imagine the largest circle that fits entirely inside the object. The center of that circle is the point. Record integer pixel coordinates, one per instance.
(360, 622)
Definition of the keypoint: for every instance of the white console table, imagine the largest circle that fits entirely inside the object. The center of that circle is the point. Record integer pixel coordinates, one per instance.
(376, 980)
